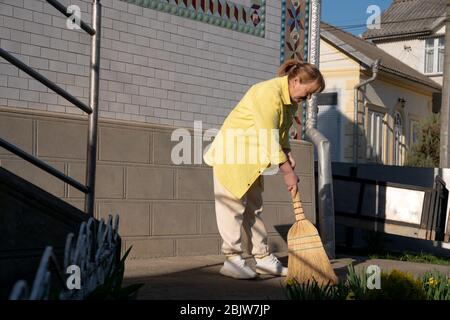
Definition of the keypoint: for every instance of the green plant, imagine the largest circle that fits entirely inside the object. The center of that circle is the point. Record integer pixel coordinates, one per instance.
(313, 291)
(356, 283)
(395, 285)
(112, 287)
(436, 285)
(398, 285)
(425, 152)
(413, 257)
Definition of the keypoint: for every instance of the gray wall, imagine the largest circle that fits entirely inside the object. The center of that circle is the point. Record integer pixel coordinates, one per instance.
(165, 209)
(158, 72)
(155, 67)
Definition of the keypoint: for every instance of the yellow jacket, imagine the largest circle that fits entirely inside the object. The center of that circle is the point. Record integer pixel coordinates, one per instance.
(253, 136)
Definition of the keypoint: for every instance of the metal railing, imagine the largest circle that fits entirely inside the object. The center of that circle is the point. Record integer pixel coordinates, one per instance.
(91, 109)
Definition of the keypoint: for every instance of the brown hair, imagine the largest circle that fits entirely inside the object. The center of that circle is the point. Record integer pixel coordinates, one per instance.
(305, 71)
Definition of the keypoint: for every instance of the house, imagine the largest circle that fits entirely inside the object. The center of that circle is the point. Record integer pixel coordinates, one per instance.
(163, 66)
(413, 31)
(388, 109)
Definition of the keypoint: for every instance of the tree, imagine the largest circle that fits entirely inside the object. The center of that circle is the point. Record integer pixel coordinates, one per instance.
(425, 152)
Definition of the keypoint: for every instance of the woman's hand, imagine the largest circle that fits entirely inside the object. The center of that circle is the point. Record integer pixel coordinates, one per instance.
(291, 182)
(290, 178)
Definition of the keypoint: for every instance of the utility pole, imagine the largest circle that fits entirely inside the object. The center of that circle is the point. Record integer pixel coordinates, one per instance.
(444, 161)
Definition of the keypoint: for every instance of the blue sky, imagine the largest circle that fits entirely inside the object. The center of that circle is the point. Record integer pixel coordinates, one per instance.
(350, 15)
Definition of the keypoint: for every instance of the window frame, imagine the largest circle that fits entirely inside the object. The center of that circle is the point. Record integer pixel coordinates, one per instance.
(436, 51)
(399, 146)
(413, 124)
(375, 153)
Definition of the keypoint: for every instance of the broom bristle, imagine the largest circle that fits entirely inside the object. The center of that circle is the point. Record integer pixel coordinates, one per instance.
(308, 260)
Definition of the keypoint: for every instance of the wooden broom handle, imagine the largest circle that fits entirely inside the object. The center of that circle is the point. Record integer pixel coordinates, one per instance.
(298, 209)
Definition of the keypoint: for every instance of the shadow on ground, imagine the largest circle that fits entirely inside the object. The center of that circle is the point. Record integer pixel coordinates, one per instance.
(204, 282)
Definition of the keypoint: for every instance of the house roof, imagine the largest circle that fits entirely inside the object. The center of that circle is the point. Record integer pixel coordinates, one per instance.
(406, 18)
(366, 53)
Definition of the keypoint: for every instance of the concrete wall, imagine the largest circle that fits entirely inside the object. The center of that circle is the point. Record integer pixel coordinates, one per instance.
(30, 220)
(412, 52)
(165, 209)
(158, 71)
(155, 67)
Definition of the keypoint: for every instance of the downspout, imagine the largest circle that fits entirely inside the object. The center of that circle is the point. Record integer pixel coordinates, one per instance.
(322, 145)
(356, 89)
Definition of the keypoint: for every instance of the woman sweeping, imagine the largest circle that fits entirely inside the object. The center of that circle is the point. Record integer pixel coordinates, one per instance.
(253, 140)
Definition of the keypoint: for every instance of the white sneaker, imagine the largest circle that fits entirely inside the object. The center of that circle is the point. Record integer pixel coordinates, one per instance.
(270, 265)
(235, 267)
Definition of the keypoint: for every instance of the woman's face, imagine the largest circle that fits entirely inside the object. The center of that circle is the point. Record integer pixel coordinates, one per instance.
(300, 91)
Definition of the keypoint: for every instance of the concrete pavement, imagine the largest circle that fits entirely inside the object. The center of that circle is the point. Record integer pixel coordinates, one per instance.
(198, 278)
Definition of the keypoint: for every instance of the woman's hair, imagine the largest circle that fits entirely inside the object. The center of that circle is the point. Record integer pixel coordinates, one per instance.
(305, 71)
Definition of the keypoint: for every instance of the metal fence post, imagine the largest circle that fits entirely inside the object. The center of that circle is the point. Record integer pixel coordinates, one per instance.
(93, 102)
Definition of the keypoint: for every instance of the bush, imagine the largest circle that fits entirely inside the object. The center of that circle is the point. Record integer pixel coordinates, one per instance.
(398, 285)
(395, 285)
(425, 152)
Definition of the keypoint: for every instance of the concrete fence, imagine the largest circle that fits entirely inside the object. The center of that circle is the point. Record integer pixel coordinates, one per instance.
(165, 209)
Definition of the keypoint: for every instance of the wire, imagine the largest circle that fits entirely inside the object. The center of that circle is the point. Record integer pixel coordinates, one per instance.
(359, 26)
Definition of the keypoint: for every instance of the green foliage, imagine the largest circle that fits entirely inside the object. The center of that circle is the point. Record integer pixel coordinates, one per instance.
(425, 152)
(313, 291)
(395, 285)
(112, 288)
(413, 257)
(356, 283)
(398, 285)
(436, 285)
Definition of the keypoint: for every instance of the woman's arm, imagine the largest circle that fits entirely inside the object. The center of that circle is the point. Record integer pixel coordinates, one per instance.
(290, 178)
(290, 157)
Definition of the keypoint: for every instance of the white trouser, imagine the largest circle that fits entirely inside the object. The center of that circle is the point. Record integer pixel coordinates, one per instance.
(233, 213)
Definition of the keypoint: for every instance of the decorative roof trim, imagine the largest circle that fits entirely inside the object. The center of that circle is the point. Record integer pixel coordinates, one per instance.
(221, 13)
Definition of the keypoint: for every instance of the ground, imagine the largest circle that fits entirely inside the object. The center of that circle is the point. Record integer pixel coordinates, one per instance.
(198, 278)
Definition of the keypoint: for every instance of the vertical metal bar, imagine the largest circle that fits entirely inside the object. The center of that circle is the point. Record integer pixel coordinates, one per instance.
(306, 55)
(313, 57)
(325, 179)
(93, 102)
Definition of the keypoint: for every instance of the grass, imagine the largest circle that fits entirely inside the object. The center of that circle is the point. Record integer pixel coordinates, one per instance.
(378, 252)
(413, 257)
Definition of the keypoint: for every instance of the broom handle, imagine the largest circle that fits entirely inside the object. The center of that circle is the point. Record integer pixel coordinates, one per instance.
(298, 209)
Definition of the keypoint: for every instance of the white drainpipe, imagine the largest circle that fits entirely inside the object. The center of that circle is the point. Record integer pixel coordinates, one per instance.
(325, 178)
(375, 67)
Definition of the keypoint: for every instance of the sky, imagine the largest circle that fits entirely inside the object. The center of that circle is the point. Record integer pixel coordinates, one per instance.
(350, 15)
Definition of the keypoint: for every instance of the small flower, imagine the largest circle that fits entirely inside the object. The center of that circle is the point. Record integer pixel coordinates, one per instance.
(290, 282)
(432, 282)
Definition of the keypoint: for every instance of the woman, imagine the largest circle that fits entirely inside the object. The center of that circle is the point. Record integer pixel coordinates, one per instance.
(253, 140)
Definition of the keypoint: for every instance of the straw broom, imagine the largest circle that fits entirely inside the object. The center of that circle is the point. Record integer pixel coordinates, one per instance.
(308, 260)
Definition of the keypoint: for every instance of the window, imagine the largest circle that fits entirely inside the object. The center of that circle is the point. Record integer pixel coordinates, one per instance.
(414, 132)
(398, 140)
(434, 55)
(375, 131)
